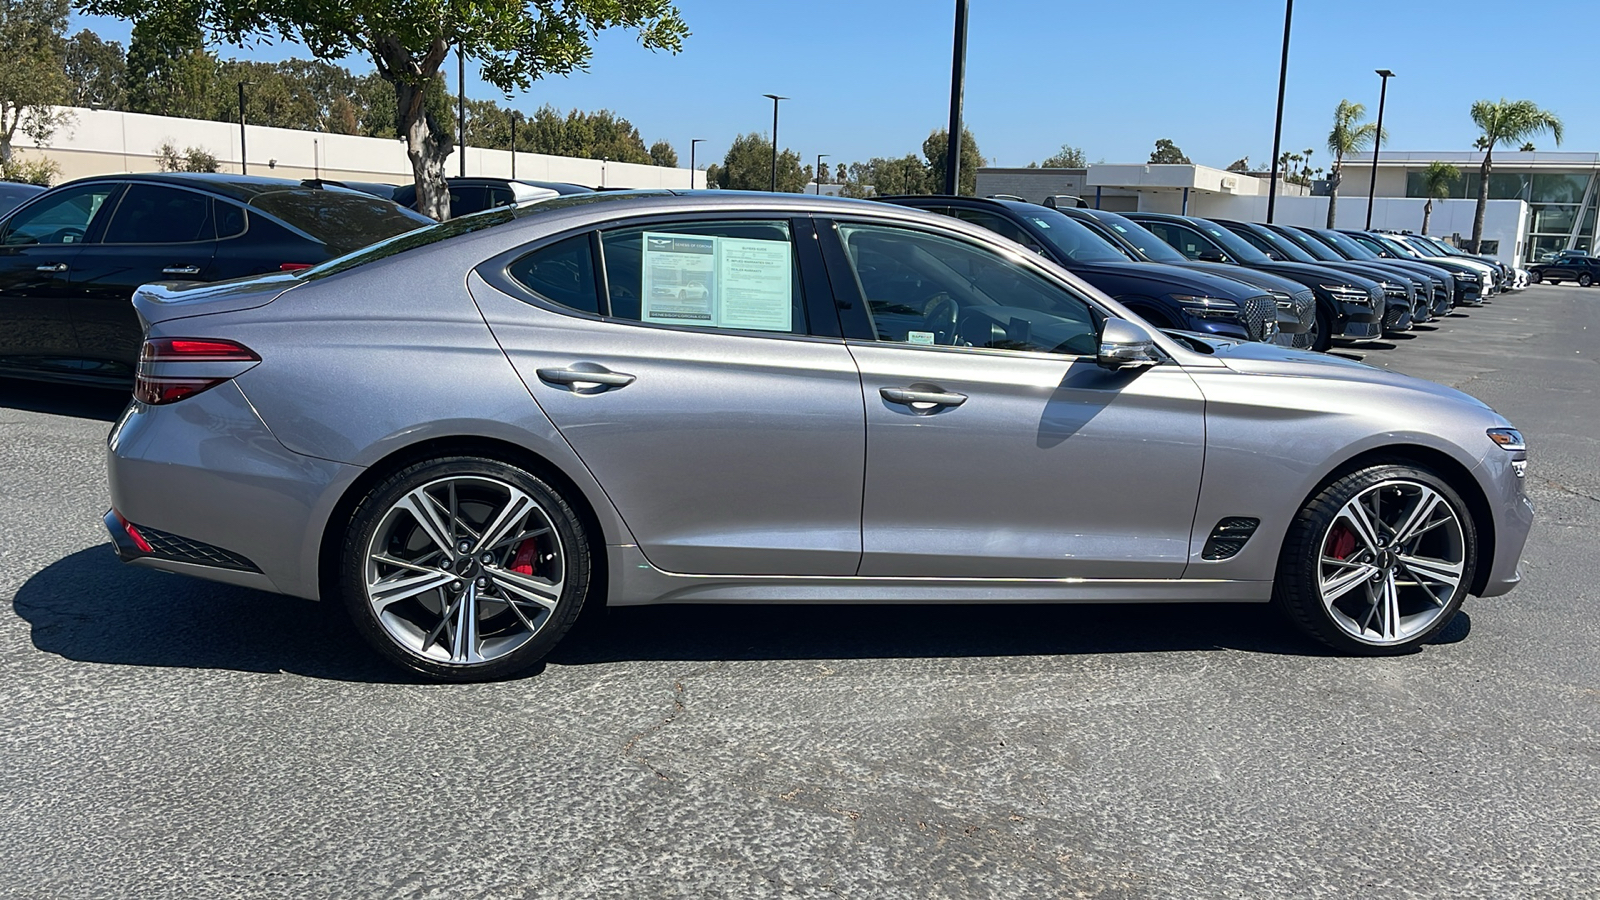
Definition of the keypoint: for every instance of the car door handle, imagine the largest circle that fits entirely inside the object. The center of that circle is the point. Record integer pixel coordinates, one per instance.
(181, 270)
(911, 397)
(601, 375)
(53, 267)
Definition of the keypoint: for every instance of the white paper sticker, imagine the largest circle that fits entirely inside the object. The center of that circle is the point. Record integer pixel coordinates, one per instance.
(725, 282)
(919, 337)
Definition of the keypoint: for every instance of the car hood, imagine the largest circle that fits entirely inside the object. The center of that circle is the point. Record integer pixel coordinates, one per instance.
(163, 300)
(1255, 358)
(1301, 271)
(1264, 280)
(1173, 278)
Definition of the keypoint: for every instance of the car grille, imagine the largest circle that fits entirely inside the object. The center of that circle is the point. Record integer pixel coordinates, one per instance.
(182, 549)
(1305, 303)
(1259, 316)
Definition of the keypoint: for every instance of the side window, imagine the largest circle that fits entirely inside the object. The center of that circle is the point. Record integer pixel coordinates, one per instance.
(922, 288)
(999, 225)
(1185, 241)
(467, 199)
(230, 219)
(62, 219)
(500, 196)
(561, 273)
(153, 214)
(739, 275)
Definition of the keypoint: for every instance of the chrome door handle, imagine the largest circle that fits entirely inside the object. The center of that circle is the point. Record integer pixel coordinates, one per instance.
(579, 376)
(914, 398)
(53, 267)
(181, 270)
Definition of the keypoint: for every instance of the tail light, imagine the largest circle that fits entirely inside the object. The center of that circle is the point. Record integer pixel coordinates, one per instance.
(294, 267)
(171, 369)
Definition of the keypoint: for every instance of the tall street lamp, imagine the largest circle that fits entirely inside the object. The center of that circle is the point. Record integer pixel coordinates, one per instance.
(1277, 128)
(514, 117)
(244, 158)
(820, 158)
(774, 98)
(461, 105)
(692, 169)
(958, 65)
(1377, 141)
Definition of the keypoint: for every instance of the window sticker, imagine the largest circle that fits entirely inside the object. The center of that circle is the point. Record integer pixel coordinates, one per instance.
(919, 337)
(724, 282)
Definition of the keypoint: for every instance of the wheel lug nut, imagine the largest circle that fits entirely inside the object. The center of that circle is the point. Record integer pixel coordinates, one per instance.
(455, 585)
(463, 547)
(482, 582)
(487, 559)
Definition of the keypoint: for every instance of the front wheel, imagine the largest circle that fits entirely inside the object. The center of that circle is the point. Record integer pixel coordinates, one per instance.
(464, 569)
(1535, 277)
(1321, 335)
(1378, 562)
(1585, 280)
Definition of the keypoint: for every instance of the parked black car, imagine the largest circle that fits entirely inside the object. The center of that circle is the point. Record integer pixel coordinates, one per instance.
(14, 193)
(475, 194)
(1297, 305)
(1585, 270)
(1405, 296)
(1165, 296)
(71, 258)
(1326, 244)
(1471, 289)
(1348, 306)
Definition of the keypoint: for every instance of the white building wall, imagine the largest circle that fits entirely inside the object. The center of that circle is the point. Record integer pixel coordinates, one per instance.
(105, 142)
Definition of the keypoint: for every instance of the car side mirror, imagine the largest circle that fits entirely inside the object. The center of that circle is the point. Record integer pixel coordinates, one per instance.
(1212, 256)
(1126, 345)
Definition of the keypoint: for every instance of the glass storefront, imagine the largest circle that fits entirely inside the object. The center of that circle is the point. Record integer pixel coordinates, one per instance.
(1554, 200)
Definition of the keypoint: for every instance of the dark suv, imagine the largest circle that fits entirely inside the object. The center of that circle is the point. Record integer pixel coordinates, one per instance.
(71, 257)
(1348, 306)
(1585, 270)
(1165, 296)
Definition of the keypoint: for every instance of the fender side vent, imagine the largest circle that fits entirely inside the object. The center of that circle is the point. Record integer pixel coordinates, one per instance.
(1228, 538)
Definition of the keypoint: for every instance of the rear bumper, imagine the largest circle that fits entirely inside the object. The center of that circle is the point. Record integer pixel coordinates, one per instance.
(222, 498)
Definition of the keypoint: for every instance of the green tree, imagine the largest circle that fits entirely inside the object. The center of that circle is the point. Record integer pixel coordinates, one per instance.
(1068, 157)
(32, 77)
(169, 71)
(95, 71)
(1510, 121)
(747, 166)
(1437, 180)
(663, 154)
(934, 149)
(1349, 134)
(1166, 152)
(586, 135)
(1527, 147)
(513, 44)
(190, 159)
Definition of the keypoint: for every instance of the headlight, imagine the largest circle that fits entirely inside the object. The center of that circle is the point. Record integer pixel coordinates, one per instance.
(1509, 439)
(1344, 293)
(1208, 307)
(1464, 276)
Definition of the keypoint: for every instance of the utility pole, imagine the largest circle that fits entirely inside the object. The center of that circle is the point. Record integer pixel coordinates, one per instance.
(244, 158)
(958, 65)
(1377, 141)
(1277, 129)
(818, 173)
(775, 98)
(514, 117)
(692, 144)
(461, 106)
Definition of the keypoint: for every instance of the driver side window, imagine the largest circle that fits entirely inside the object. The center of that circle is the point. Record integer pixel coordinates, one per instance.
(922, 288)
(62, 219)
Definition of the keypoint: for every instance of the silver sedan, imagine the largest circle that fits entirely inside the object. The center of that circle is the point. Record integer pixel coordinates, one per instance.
(467, 432)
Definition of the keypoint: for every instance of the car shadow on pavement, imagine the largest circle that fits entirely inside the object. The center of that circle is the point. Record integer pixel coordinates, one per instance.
(105, 404)
(91, 608)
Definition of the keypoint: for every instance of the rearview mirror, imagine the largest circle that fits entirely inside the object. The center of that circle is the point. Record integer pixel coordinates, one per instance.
(1126, 345)
(1212, 256)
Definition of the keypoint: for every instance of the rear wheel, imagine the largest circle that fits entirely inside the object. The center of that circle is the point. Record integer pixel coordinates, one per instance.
(1585, 280)
(464, 569)
(1378, 562)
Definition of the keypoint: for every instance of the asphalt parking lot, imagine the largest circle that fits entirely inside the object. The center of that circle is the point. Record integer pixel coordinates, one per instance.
(174, 738)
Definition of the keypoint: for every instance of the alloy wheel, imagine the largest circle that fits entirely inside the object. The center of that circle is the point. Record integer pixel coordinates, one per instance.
(1392, 562)
(464, 570)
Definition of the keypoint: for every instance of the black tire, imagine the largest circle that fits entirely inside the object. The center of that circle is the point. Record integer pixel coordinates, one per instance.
(574, 565)
(1297, 589)
(1321, 331)
(1535, 277)
(1585, 280)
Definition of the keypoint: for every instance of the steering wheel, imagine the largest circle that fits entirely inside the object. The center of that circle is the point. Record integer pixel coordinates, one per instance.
(939, 316)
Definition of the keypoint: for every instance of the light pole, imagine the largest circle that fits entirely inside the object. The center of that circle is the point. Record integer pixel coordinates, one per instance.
(820, 158)
(1377, 141)
(958, 65)
(461, 106)
(774, 98)
(514, 117)
(692, 170)
(1277, 128)
(244, 158)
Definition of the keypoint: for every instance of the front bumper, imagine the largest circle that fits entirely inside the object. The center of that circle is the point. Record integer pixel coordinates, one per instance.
(1512, 515)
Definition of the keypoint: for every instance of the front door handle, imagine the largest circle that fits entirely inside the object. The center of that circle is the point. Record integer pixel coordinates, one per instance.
(921, 400)
(53, 267)
(599, 375)
(181, 270)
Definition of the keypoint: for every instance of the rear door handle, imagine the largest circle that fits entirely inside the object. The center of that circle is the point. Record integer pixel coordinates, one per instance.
(599, 375)
(53, 267)
(926, 399)
(180, 270)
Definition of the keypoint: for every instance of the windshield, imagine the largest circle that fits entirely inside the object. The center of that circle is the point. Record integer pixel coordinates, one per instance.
(1073, 239)
(1346, 244)
(343, 220)
(1396, 247)
(1311, 245)
(1153, 248)
(1283, 245)
(1237, 246)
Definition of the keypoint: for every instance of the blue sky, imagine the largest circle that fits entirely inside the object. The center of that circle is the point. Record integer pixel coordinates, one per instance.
(873, 78)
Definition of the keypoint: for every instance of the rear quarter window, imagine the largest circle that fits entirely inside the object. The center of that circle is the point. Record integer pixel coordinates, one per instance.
(343, 220)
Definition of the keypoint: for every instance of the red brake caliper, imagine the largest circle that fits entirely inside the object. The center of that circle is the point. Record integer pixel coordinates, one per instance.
(1341, 543)
(523, 563)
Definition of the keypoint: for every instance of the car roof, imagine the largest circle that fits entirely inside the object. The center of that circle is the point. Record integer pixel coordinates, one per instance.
(237, 187)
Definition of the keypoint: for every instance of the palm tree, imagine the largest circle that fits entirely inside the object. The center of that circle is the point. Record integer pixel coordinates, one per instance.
(1437, 179)
(1349, 134)
(1510, 121)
